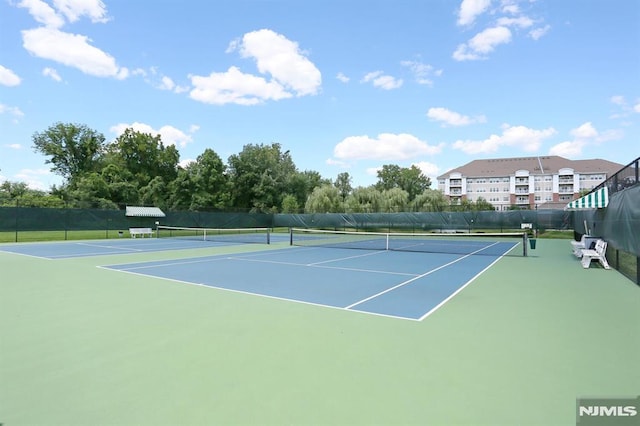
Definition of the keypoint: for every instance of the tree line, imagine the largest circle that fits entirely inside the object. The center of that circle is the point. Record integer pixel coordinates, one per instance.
(139, 169)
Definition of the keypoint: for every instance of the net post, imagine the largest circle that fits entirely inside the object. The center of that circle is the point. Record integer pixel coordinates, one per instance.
(268, 236)
(387, 244)
(290, 236)
(525, 241)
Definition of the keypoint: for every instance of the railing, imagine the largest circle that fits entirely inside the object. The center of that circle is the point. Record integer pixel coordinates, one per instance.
(624, 178)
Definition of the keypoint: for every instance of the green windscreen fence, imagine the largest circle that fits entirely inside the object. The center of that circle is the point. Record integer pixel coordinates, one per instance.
(430, 221)
(619, 226)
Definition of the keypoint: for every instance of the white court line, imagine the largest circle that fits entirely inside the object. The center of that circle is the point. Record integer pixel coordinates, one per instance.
(259, 294)
(459, 289)
(27, 255)
(110, 247)
(161, 264)
(339, 259)
(317, 265)
(415, 278)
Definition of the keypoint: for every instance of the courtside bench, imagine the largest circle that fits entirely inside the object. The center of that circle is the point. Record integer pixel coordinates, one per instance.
(142, 232)
(586, 242)
(598, 253)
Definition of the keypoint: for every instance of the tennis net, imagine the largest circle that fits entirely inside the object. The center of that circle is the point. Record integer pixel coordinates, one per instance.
(490, 244)
(231, 235)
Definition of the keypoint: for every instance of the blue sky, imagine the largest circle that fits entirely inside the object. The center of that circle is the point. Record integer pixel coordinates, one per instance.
(345, 86)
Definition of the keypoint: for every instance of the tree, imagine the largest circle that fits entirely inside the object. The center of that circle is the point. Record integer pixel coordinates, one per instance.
(123, 188)
(13, 189)
(364, 200)
(144, 156)
(74, 149)
(343, 183)
(394, 200)
(91, 190)
(18, 193)
(259, 175)
(204, 183)
(290, 204)
(155, 193)
(482, 204)
(301, 185)
(431, 200)
(410, 179)
(324, 199)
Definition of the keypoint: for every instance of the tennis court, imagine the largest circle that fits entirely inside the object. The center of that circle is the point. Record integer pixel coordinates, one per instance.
(402, 285)
(272, 334)
(167, 239)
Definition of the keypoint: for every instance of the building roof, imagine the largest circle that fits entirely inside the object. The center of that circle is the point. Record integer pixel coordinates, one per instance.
(144, 212)
(549, 164)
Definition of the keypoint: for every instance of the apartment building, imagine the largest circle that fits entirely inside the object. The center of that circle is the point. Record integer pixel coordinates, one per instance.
(525, 182)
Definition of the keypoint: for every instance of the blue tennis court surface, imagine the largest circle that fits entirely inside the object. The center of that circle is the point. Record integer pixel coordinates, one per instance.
(70, 249)
(397, 284)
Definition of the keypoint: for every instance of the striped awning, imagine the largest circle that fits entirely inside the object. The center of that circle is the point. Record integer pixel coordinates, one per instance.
(593, 200)
(144, 212)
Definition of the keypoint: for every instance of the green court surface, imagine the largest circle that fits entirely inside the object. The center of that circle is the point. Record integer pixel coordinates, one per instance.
(81, 345)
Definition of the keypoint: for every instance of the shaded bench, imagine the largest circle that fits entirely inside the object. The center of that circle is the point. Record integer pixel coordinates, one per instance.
(134, 232)
(598, 253)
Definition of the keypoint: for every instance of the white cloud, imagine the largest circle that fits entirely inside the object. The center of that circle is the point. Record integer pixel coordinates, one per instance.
(73, 50)
(510, 8)
(72, 10)
(537, 33)
(186, 162)
(482, 44)
(14, 146)
(373, 171)
(169, 134)
(166, 83)
(618, 100)
(387, 146)
(8, 77)
(14, 112)
(282, 59)
(343, 78)
(486, 41)
(452, 118)
(50, 72)
(75, 9)
(339, 163)
(568, 148)
(33, 178)
(524, 138)
(292, 74)
(42, 13)
(382, 81)
(423, 72)
(636, 107)
(428, 169)
(500, 20)
(471, 9)
(235, 87)
(583, 136)
(520, 22)
(585, 131)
